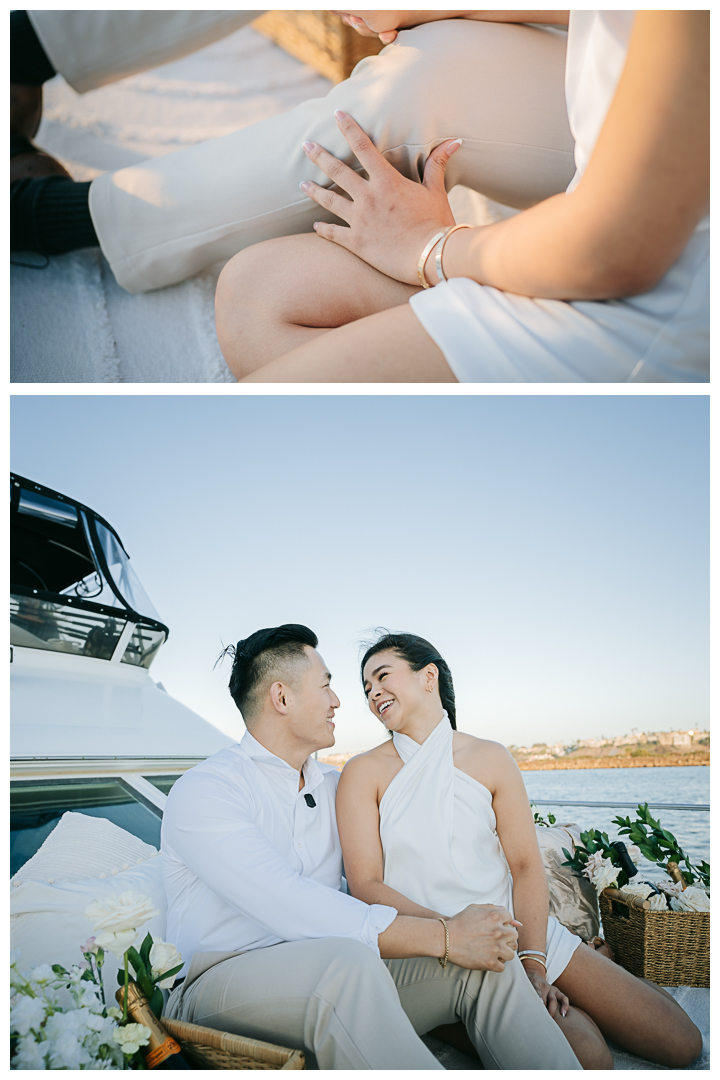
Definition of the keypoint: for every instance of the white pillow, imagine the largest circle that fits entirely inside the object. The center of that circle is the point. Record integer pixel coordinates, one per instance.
(81, 846)
(48, 922)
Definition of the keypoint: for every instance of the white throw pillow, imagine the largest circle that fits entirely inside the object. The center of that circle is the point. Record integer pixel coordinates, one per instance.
(81, 846)
(48, 922)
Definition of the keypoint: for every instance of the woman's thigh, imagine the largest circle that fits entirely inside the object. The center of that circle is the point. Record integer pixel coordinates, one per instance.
(630, 1011)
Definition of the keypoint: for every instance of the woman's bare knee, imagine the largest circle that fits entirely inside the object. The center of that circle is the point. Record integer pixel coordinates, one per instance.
(586, 1039)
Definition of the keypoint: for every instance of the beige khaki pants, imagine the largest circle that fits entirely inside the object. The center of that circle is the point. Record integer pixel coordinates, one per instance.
(500, 87)
(336, 1000)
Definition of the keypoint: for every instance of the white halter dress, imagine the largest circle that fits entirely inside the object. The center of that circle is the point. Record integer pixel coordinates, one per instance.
(440, 847)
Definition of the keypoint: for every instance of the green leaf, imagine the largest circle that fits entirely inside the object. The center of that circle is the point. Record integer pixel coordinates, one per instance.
(59, 969)
(167, 974)
(156, 1002)
(145, 950)
(121, 977)
(134, 958)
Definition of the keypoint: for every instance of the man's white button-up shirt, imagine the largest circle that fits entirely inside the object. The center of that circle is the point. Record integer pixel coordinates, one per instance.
(248, 863)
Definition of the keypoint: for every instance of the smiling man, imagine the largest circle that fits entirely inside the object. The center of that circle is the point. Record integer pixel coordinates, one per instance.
(274, 949)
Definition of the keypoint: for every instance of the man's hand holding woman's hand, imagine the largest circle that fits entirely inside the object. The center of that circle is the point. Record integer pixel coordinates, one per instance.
(483, 937)
(391, 218)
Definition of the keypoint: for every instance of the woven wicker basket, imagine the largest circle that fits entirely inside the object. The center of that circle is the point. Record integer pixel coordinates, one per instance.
(670, 948)
(320, 39)
(210, 1049)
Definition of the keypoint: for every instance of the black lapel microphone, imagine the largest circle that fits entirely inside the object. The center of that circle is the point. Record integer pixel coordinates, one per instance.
(310, 801)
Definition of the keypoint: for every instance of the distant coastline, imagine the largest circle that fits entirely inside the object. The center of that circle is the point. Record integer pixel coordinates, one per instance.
(616, 762)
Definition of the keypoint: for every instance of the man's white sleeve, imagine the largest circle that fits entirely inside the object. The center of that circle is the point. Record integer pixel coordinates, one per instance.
(230, 854)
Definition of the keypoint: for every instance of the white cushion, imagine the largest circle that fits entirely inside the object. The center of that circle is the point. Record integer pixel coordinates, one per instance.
(48, 922)
(81, 846)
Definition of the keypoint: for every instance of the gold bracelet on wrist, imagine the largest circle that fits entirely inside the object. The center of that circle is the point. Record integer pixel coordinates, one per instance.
(441, 249)
(443, 962)
(424, 257)
(536, 960)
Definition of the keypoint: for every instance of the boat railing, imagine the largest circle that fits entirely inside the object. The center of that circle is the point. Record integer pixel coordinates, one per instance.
(622, 805)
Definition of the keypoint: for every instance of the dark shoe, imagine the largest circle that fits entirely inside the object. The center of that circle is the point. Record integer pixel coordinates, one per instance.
(28, 162)
(26, 103)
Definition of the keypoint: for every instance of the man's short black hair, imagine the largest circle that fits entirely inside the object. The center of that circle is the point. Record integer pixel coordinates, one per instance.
(265, 657)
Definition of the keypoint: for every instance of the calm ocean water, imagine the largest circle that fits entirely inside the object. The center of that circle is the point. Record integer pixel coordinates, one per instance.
(674, 784)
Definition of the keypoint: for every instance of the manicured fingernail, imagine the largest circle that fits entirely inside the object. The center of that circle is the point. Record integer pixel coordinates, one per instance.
(564, 1012)
(308, 147)
(454, 145)
(315, 224)
(339, 115)
(305, 186)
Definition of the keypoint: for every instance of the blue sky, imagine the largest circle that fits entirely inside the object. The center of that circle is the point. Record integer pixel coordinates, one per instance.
(554, 549)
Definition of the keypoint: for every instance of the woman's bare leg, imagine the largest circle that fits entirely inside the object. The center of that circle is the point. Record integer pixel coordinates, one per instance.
(282, 295)
(585, 1038)
(388, 347)
(632, 1012)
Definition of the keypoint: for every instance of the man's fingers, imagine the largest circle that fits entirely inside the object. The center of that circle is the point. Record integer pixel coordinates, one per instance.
(362, 145)
(434, 172)
(337, 171)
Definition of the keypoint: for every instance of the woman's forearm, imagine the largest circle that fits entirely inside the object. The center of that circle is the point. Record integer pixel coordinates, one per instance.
(415, 18)
(531, 899)
(558, 250)
(375, 892)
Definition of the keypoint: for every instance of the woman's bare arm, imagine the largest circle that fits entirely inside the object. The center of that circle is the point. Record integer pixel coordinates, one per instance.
(358, 819)
(645, 188)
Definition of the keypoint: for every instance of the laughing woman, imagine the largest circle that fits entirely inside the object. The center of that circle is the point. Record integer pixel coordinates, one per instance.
(433, 820)
(606, 280)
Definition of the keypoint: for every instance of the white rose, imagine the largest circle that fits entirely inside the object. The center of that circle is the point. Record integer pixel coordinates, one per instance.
(657, 902)
(27, 1014)
(128, 911)
(691, 899)
(601, 871)
(640, 889)
(163, 957)
(116, 943)
(131, 1037)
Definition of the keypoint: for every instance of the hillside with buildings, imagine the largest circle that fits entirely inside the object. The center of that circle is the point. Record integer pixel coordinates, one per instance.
(648, 749)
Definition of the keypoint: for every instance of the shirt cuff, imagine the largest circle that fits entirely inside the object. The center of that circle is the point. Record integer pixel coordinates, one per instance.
(378, 918)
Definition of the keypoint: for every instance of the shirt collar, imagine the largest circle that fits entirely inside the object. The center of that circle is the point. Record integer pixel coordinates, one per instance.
(311, 770)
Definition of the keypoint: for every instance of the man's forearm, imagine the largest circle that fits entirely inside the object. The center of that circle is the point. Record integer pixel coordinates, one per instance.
(408, 936)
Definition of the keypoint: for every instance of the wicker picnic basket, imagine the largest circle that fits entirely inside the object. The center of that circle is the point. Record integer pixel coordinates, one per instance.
(671, 948)
(210, 1049)
(320, 39)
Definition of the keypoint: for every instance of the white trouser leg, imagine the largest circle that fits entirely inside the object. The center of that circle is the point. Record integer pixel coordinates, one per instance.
(506, 1020)
(499, 87)
(332, 996)
(92, 48)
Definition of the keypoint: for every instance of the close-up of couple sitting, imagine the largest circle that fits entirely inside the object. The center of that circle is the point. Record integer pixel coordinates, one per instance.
(344, 261)
(349, 914)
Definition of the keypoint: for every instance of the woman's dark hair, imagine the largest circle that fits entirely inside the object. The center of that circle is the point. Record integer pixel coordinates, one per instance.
(418, 653)
(267, 654)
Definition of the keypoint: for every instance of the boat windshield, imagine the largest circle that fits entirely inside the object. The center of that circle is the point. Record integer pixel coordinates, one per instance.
(72, 586)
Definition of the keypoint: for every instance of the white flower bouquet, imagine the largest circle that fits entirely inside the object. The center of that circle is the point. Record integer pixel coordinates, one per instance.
(59, 1019)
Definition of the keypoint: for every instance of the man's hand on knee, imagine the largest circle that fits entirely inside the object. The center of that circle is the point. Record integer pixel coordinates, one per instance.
(483, 937)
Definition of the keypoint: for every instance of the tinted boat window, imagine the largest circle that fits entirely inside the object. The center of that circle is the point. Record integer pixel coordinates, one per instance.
(163, 783)
(39, 624)
(37, 806)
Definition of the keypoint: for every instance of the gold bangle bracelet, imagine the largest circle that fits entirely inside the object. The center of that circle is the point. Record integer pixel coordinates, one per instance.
(441, 249)
(535, 960)
(424, 257)
(443, 962)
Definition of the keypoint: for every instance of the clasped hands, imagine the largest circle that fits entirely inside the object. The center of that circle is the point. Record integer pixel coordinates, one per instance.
(390, 218)
(483, 937)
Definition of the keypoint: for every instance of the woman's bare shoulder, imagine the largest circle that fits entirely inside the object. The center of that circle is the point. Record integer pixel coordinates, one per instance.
(483, 759)
(372, 763)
